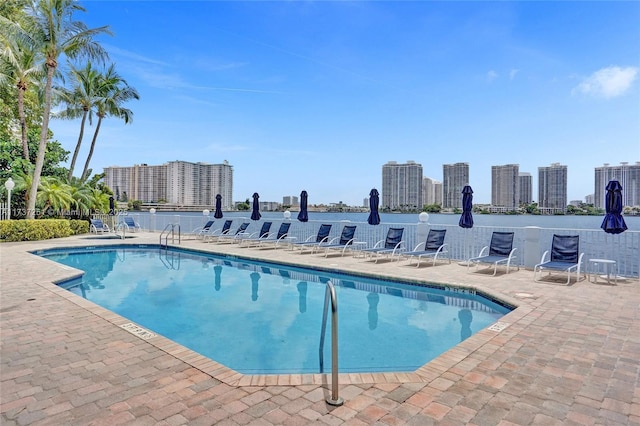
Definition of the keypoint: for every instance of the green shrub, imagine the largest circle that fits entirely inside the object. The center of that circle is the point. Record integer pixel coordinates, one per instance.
(40, 229)
(79, 226)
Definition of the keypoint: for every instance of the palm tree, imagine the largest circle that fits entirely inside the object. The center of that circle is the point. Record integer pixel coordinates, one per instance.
(22, 67)
(81, 197)
(53, 32)
(80, 102)
(55, 194)
(113, 92)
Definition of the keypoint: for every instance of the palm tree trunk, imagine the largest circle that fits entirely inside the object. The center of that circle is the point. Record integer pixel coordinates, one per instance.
(42, 146)
(93, 144)
(23, 123)
(77, 150)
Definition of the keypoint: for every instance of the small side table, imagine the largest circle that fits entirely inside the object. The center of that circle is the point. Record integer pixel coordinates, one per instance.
(358, 247)
(608, 265)
(290, 241)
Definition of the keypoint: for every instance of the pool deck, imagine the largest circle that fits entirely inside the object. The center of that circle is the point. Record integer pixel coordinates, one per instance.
(568, 355)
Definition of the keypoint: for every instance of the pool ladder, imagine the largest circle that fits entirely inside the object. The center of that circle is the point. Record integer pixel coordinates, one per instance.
(330, 295)
(170, 229)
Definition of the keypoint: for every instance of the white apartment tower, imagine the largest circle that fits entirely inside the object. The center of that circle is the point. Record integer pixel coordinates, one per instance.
(431, 191)
(505, 186)
(402, 186)
(454, 178)
(629, 177)
(526, 188)
(177, 182)
(552, 188)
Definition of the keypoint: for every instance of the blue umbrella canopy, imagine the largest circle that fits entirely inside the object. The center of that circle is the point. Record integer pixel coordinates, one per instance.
(374, 201)
(466, 220)
(613, 222)
(218, 213)
(303, 216)
(255, 214)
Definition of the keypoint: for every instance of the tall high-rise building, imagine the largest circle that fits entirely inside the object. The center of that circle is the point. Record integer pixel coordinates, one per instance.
(505, 187)
(454, 178)
(629, 177)
(526, 188)
(138, 182)
(552, 188)
(431, 191)
(290, 200)
(401, 186)
(177, 182)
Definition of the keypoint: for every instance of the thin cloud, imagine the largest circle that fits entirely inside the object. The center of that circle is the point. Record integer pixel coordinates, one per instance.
(116, 51)
(512, 73)
(608, 82)
(491, 75)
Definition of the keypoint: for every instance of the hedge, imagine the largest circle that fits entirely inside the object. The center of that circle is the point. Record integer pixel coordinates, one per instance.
(40, 229)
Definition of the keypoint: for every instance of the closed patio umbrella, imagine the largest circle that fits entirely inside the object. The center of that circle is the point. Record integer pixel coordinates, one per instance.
(613, 222)
(303, 216)
(255, 214)
(218, 213)
(466, 220)
(374, 201)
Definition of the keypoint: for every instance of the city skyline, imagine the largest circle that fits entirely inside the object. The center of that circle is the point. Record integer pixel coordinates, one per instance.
(295, 103)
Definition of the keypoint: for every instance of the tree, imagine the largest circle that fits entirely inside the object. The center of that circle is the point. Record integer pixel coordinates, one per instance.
(20, 67)
(113, 91)
(52, 31)
(53, 194)
(80, 101)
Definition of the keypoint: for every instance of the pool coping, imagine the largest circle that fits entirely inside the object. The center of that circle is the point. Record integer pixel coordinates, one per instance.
(425, 374)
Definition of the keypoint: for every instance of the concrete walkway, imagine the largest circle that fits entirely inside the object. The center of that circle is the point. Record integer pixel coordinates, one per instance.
(569, 355)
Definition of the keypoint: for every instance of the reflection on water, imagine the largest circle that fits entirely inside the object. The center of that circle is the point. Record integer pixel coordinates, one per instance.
(255, 277)
(465, 316)
(373, 299)
(217, 270)
(278, 331)
(302, 297)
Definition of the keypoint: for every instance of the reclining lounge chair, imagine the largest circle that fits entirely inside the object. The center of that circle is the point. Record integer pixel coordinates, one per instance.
(236, 236)
(565, 257)
(392, 244)
(278, 238)
(130, 224)
(203, 230)
(433, 247)
(257, 236)
(97, 225)
(499, 251)
(226, 227)
(312, 241)
(342, 243)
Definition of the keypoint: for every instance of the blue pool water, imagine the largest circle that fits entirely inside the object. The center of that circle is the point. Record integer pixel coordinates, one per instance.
(264, 318)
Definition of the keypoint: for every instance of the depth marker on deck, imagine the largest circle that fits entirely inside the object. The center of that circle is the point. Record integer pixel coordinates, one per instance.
(498, 326)
(138, 331)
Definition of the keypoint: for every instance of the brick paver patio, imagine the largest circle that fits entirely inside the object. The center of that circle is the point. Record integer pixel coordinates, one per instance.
(569, 355)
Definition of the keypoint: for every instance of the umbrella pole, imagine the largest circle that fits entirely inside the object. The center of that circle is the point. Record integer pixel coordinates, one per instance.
(465, 262)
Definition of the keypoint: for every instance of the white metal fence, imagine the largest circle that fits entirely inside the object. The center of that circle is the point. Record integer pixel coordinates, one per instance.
(531, 242)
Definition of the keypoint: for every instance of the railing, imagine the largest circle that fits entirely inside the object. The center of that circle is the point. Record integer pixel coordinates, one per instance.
(169, 230)
(121, 230)
(330, 295)
(531, 242)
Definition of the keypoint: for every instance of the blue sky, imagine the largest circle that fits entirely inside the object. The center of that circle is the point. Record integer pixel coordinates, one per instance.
(319, 95)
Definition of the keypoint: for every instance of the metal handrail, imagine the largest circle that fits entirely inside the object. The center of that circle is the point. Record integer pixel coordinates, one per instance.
(330, 294)
(166, 237)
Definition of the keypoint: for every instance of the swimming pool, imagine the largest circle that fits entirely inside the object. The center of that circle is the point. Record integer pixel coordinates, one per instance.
(265, 318)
